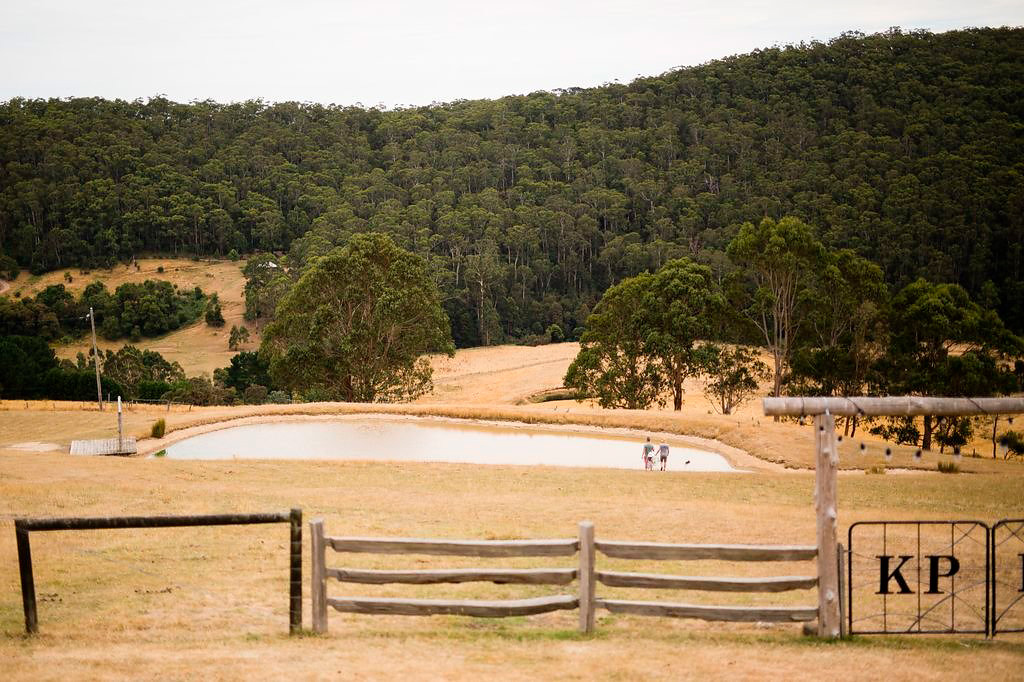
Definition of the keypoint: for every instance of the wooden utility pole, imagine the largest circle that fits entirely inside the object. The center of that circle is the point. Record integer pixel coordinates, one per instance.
(96, 360)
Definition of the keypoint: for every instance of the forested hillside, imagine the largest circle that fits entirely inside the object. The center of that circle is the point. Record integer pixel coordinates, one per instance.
(906, 148)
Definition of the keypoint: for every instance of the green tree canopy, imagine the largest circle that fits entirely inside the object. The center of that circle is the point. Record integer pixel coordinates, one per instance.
(682, 307)
(266, 281)
(943, 343)
(214, 314)
(131, 368)
(845, 331)
(782, 258)
(731, 376)
(246, 369)
(356, 325)
(904, 147)
(642, 335)
(613, 364)
(237, 336)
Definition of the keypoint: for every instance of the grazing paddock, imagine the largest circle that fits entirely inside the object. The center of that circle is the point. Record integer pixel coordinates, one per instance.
(182, 603)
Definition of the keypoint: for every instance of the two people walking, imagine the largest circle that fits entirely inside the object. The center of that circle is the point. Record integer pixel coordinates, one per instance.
(648, 455)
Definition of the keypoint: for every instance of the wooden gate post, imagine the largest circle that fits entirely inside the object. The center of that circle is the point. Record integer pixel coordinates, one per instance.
(318, 575)
(28, 583)
(586, 576)
(825, 505)
(295, 572)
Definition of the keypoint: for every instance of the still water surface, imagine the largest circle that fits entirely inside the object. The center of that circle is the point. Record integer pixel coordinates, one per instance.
(427, 441)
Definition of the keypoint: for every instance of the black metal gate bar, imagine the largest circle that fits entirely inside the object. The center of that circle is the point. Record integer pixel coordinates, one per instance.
(988, 617)
(22, 528)
(994, 582)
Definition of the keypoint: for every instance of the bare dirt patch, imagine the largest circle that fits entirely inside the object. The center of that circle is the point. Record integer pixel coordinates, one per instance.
(35, 446)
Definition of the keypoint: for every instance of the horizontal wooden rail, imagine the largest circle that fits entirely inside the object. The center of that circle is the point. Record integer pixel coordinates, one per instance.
(740, 614)
(891, 407)
(659, 551)
(708, 584)
(458, 607)
(476, 548)
(105, 522)
(518, 576)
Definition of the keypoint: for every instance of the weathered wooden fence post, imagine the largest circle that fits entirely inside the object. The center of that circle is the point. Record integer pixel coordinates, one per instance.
(586, 576)
(318, 573)
(825, 505)
(295, 577)
(28, 583)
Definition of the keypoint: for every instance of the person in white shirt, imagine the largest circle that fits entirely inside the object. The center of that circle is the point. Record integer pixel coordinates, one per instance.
(648, 455)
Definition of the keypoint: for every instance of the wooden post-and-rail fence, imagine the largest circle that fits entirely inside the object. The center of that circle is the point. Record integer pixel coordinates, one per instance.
(585, 572)
(824, 410)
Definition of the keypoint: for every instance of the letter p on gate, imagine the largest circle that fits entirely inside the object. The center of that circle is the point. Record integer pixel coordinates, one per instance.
(933, 571)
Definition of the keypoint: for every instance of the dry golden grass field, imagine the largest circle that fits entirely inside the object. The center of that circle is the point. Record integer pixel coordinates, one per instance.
(211, 603)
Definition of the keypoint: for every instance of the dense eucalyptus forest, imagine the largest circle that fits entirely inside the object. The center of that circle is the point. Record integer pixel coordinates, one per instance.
(906, 148)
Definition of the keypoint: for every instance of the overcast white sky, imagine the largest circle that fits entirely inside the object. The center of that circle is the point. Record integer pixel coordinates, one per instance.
(398, 52)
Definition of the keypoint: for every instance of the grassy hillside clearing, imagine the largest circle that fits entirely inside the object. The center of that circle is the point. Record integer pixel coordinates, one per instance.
(197, 347)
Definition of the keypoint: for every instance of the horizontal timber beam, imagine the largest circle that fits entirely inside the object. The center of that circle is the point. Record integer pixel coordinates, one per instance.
(739, 614)
(459, 607)
(476, 548)
(891, 407)
(518, 576)
(707, 584)
(105, 522)
(654, 550)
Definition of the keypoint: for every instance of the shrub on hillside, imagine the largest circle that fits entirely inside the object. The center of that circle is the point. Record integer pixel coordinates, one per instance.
(237, 337)
(23, 361)
(159, 427)
(899, 430)
(1013, 441)
(63, 384)
(200, 391)
(246, 368)
(214, 316)
(132, 368)
(9, 268)
(152, 390)
(255, 394)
